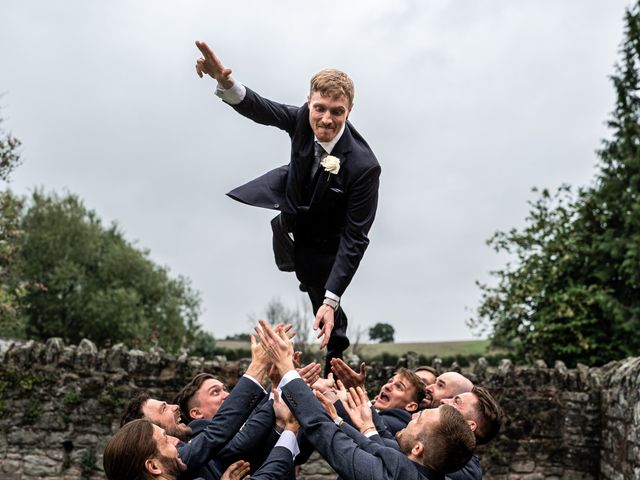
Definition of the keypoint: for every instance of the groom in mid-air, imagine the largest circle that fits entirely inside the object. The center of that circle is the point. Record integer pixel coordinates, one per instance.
(327, 194)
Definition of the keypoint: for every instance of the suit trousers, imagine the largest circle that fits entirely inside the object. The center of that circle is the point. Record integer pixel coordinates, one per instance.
(338, 341)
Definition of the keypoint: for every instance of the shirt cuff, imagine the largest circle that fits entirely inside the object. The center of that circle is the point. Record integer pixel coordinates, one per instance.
(289, 441)
(371, 433)
(287, 377)
(331, 295)
(233, 95)
(254, 381)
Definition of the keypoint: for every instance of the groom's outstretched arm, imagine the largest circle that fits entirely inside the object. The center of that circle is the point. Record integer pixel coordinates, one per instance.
(211, 65)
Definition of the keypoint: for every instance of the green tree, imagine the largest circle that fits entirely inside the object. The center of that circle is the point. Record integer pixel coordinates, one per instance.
(383, 332)
(93, 283)
(11, 289)
(574, 291)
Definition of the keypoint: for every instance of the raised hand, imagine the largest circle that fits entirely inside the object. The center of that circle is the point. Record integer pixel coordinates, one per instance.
(326, 403)
(324, 317)
(236, 471)
(212, 66)
(324, 384)
(259, 360)
(357, 405)
(347, 375)
(310, 373)
(277, 343)
(283, 414)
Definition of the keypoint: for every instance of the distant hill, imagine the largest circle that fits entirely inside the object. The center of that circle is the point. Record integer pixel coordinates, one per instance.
(428, 349)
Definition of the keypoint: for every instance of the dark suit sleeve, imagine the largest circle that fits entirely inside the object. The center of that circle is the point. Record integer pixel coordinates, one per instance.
(341, 452)
(277, 466)
(249, 443)
(471, 471)
(234, 412)
(267, 112)
(362, 203)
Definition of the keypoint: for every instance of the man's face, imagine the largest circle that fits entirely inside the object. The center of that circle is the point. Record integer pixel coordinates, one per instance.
(396, 393)
(167, 417)
(444, 387)
(327, 115)
(170, 461)
(466, 404)
(426, 376)
(208, 399)
(422, 421)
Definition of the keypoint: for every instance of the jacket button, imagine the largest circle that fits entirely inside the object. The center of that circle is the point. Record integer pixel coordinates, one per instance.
(276, 205)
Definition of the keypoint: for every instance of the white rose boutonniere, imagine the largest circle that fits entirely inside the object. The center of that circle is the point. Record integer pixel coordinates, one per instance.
(331, 164)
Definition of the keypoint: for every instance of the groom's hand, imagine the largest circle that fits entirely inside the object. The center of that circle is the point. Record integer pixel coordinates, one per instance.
(211, 65)
(324, 317)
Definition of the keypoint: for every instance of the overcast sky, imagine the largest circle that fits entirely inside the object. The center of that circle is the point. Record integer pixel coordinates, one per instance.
(467, 105)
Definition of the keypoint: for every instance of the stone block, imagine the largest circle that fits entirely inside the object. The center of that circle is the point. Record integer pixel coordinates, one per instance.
(523, 466)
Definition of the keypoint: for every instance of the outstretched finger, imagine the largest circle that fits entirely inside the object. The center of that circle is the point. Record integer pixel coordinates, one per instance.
(206, 51)
(268, 331)
(317, 321)
(362, 394)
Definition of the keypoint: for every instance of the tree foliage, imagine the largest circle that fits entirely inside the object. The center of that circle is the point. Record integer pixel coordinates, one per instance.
(11, 289)
(573, 292)
(382, 332)
(89, 282)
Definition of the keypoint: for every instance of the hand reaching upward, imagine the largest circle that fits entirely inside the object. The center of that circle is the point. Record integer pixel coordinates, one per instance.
(278, 346)
(212, 66)
(236, 471)
(347, 375)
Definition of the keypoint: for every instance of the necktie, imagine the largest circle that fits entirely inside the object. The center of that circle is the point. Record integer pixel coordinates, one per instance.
(319, 154)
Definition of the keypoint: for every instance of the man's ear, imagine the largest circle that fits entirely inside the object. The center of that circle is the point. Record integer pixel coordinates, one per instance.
(152, 465)
(472, 425)
(418, 450)
(411, 407)
(309, 101)
(195, 413)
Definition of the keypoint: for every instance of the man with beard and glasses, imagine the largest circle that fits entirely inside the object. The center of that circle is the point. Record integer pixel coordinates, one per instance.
(327, 194)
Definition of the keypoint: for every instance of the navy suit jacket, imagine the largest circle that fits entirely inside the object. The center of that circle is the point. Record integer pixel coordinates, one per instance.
(329, 216)
(356, 458)
(387, 420)
(235, 410)
(252, 443)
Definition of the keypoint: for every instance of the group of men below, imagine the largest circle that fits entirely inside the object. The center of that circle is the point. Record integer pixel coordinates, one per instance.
(419, 426)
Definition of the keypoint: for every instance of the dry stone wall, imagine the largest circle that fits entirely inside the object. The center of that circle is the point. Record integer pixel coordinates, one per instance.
(59, 404)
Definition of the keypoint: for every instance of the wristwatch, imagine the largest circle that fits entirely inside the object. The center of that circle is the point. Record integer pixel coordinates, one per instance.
(331, 302)
(338, 421)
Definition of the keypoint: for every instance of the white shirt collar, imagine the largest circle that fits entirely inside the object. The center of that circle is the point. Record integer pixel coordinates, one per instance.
(328, 146)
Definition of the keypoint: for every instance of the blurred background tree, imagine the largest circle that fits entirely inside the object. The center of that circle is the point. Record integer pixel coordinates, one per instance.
(573, 292)
(382, 332)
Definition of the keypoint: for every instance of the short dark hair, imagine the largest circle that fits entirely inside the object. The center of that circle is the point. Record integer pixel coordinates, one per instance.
(427, 368)
(416, 383)
(186, 394)
(490, 415)
(134, 409)
(450, 445)
(126, 453)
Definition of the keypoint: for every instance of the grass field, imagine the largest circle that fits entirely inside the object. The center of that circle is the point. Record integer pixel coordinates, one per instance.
(428, 349)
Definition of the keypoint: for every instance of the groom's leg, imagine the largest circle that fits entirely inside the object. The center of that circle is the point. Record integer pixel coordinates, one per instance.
(338, 341)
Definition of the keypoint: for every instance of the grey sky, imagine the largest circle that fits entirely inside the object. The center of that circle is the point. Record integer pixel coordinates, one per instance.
(467, 104)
